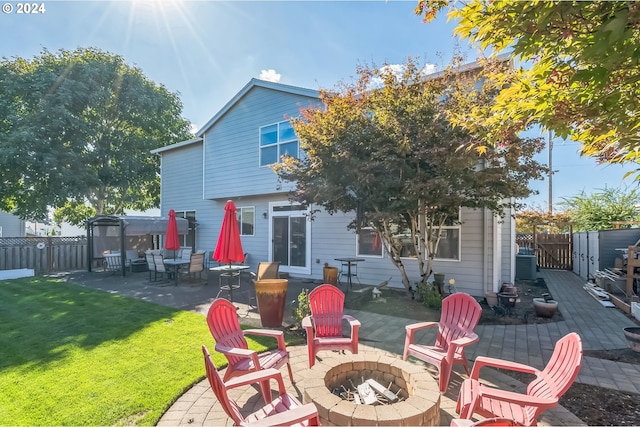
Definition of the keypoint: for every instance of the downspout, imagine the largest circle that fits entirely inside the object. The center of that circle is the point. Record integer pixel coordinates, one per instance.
(485, 250)
(512, 245)
(204, 163)
(497, 251)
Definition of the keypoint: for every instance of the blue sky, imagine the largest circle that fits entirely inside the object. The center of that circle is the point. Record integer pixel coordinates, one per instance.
(208, 50)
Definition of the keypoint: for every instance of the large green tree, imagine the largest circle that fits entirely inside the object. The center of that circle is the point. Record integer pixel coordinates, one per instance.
(76, 130)
(601, 209)
(581, 67)
(384, 148)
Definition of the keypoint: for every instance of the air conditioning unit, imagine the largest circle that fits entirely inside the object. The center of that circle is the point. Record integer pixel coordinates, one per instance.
(526, 267)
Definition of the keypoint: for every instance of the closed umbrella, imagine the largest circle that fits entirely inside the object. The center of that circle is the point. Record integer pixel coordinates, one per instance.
(229, 246)
(171, 239)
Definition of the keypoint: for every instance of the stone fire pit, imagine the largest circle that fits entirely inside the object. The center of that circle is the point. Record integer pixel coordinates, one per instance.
(421, 397)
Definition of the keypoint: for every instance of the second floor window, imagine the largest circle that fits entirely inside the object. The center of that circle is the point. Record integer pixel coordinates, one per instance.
(277, 140)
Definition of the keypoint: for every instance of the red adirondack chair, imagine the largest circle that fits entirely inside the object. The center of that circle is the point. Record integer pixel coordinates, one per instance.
(324, 325)
(222, 319)
(459, 317)
(542, 393)
(459, 422)
(285, 410)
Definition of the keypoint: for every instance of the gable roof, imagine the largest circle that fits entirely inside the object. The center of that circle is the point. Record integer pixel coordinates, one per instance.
(252, 84)
(176, 145)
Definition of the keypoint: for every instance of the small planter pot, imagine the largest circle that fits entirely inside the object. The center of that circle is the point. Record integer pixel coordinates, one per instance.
(438, 279)
(632, 334)
(545, 308)
(330, 275)
(492, 298)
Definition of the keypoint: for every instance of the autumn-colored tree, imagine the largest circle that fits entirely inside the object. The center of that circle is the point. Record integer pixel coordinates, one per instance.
(384, 149)
(557, 222)
(580, 73)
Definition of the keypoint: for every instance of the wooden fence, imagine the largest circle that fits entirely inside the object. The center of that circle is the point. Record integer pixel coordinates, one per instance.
(43, 254)
(552, 250)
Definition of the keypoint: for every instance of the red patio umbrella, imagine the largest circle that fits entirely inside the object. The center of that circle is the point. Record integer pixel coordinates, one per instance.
(171, 239)
(229, 246)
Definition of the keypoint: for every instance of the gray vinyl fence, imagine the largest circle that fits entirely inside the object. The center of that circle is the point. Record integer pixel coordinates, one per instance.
(44, 254)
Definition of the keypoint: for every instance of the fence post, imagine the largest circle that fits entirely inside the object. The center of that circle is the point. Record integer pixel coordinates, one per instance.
(49, 254)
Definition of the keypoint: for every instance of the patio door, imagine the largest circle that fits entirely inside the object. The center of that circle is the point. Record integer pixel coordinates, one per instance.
(290, 237)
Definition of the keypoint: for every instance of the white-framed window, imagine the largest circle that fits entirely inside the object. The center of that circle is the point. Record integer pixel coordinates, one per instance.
(189, 238)
(449, 246)
(450, 241)
(369, 243)
(246, 220)
(277, 140)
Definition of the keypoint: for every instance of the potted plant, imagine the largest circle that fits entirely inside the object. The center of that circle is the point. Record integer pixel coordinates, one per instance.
(329, 274)
(545, 306)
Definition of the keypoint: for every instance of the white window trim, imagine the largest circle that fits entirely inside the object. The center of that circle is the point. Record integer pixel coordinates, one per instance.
(293, 213)
(239, 210)
(382, 248)
(457, 226)
(276, 144)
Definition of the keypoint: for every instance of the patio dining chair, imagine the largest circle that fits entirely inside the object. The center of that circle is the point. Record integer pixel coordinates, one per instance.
(151, 265)
(159, 266)
(185, 252)
(195, 266)
(265, 270)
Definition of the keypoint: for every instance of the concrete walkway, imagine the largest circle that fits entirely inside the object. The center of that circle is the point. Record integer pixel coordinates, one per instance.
(599, 327)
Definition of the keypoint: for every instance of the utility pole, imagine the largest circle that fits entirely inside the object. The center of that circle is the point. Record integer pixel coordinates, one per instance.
(550, 150)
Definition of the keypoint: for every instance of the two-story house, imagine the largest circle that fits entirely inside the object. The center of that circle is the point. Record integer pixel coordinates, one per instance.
(229, 160)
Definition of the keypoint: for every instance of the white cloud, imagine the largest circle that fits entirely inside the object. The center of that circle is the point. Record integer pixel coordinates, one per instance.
(397, 70)
(269, 75)
(428, 69)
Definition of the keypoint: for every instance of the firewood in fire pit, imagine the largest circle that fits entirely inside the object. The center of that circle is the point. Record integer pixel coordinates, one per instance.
(381, 390)
(367, 394)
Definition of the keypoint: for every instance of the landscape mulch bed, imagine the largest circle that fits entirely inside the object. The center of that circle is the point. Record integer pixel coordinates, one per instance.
(593, 405)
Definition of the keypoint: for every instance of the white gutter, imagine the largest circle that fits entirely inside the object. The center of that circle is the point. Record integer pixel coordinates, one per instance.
(485, 249)
(497, 252)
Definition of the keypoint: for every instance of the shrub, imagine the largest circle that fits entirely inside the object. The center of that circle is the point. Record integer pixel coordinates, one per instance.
(430, 295)
(301, 308)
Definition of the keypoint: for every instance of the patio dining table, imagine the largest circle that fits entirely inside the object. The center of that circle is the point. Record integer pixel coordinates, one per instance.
(175, 264)
(349, 261)
(229, 271)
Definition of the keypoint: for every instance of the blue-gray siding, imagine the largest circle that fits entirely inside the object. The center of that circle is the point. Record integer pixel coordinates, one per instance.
(202, 175)
(232, 153)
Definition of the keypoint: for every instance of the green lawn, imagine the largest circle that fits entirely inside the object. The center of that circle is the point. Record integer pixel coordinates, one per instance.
(76, 356)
